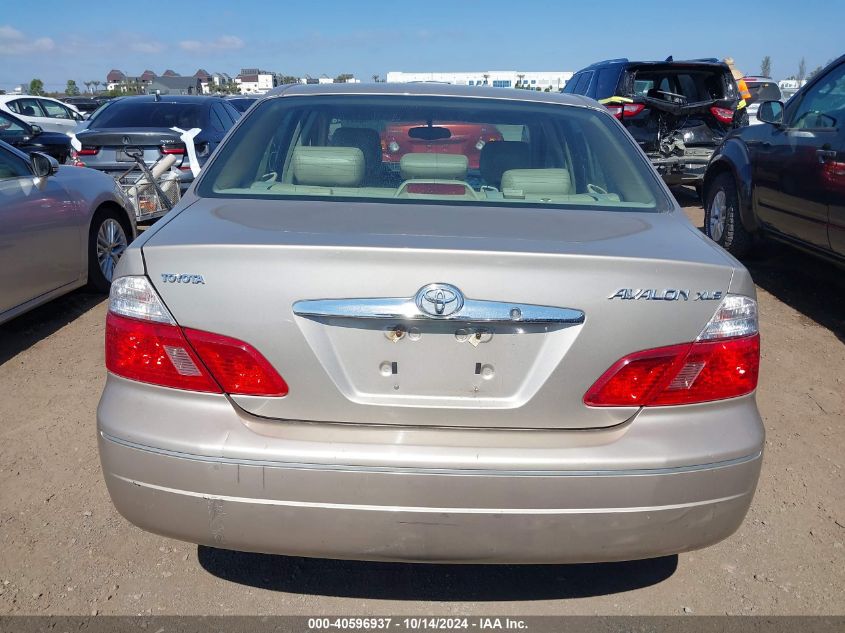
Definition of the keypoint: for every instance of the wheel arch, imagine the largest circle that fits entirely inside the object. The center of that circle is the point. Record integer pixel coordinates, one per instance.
(128, 220)
(732, 158)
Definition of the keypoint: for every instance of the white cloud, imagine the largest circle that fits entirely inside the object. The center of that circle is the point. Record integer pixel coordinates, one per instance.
(222, 43)
(14, 42)
(151, 47)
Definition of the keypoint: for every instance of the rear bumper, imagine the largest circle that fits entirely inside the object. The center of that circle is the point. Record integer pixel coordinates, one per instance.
(516, 513)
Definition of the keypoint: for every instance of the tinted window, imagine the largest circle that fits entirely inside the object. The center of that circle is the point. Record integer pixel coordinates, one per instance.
(55, 110)
(583, 83)
(823, 105)
(11, 129)
(151, 114)
(570, 85)
(233, 114)
(11, 166)
(764, 91)
(451, 150)
(241, 105)
(606, 82)
(695, 85)
(26, 107)
(216, 121)
(220, 112)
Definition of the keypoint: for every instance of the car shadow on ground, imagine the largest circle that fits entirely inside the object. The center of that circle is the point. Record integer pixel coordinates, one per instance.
(26, 330)
(407, 581)
(686, 197)
(812, 286)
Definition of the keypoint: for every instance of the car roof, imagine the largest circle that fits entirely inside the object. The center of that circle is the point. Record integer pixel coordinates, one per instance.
(171, 98)
(431, 90)
(624, 61)
(5, 98)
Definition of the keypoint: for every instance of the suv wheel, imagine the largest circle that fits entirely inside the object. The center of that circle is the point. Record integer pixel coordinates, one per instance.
(722, 222)
(106, 243)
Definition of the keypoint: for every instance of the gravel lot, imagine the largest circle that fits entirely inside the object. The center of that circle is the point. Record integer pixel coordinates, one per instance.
(65, 550)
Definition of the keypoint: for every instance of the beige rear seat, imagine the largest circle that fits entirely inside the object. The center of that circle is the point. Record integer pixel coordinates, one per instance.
(328, 166)
(529, 182)
(420, 165)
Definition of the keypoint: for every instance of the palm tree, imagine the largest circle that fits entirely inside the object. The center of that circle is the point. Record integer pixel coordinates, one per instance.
(375, 79)
(486, 77)
(87, 86)
(96, 85)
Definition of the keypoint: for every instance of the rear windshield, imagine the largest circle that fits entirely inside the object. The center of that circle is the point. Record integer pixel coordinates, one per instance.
(763, 91)
(396, 148)
(692, 86)
(150, 114)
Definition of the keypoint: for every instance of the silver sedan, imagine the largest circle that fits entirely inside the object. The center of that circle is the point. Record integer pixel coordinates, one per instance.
(527, 357)
(60, 228)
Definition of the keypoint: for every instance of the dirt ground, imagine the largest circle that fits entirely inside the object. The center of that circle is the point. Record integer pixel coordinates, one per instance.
(65, 550)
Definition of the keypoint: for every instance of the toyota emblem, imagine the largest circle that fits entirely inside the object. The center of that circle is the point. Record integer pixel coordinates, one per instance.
(439, 300)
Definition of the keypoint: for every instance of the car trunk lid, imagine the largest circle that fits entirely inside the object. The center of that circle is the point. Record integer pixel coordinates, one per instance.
(600, 284)
(112, 146)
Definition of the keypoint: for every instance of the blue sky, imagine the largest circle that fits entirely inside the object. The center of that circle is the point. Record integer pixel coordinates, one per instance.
(83, 40)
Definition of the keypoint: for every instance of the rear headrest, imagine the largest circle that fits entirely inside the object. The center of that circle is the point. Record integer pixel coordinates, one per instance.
(328, 166)
(365, 139)
(424, 165)
(534, 181)
(498, 157)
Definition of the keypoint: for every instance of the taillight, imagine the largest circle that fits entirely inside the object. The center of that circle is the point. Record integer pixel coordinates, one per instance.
(723, 115)
(237, 366)
(615, 110)
(172, 149)
(723, 362)
(627, 110)
(154, 353)
(144, 343)
(632, 109)
(85, 151)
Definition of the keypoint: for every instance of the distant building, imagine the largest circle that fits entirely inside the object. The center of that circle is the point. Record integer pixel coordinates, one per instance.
(325, 79)
(255, 81)
(170, 73)
(533, 80)
(20, 89)
(175, 85)
(118, 80)
(217, 82)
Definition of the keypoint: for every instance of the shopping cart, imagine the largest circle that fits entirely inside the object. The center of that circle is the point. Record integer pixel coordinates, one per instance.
(150, 196)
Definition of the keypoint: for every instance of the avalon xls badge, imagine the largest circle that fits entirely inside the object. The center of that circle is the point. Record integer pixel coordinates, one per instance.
(668, 294)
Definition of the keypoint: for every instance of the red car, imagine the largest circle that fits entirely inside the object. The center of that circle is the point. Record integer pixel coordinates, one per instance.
(466, 138)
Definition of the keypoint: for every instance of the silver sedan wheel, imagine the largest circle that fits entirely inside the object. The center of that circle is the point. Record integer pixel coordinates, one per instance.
(718, 214)
(111, 242)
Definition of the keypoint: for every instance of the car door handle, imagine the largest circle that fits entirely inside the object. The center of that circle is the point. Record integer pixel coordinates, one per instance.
(826, 155)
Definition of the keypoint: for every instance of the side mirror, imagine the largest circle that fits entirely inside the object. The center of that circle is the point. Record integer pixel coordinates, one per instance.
(771, 112)
(43, 165)
(36, 130)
